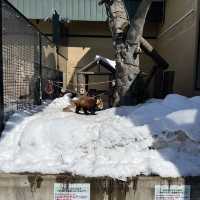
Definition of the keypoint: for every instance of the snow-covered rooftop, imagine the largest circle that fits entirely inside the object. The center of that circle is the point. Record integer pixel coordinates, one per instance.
(111, 63)
(158, 137)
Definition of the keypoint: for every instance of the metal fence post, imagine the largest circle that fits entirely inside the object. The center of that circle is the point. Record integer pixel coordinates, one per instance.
(1, 75)
(40, 67)
(37, 75)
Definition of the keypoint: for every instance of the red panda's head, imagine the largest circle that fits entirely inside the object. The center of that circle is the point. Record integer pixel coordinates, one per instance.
(99, 104)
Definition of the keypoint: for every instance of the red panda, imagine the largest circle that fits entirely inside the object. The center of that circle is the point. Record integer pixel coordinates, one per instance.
(87, 104)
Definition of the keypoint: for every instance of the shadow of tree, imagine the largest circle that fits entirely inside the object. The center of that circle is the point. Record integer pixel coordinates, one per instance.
(174, 125)
(19, 116)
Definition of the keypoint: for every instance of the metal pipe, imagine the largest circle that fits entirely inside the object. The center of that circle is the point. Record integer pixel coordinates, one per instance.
(176, 23)
(152, 52)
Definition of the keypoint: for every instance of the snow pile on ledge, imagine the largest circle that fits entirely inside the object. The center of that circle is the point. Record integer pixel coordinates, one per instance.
(158, 137)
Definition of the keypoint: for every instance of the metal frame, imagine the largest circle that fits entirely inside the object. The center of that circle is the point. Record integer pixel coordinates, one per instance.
(23, 69)
(1, 76)
(29, 22)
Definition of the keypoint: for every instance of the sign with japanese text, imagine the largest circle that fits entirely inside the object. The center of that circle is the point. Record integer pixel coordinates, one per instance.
(172, 192)
(64, 191)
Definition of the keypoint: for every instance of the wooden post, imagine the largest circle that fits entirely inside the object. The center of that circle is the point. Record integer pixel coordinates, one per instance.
(86, 82)
(80, 82)
(110, 91)
(168, 82)
(158, 84)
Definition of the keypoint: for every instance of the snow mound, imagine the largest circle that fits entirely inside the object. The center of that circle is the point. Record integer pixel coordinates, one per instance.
(160, 137)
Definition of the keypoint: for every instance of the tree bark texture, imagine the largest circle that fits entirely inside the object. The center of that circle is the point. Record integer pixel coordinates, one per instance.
(127, 34)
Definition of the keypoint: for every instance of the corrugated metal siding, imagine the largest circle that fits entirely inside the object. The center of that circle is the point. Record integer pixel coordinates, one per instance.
(79, 10)
(83, 10)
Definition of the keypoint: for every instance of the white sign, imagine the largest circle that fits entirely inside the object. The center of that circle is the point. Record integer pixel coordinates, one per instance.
(71, 191)
(172, 192)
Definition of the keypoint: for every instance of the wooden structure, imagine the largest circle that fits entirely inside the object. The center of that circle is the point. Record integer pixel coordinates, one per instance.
(97, 79)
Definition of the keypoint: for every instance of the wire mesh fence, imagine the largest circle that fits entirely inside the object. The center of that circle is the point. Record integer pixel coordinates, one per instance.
(20, 60)
(51, 78)
(29, 59)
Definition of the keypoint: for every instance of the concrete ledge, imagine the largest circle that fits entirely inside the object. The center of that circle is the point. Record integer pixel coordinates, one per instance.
(40, 187)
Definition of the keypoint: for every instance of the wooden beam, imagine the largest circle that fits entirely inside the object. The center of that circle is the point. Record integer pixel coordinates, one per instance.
(95, 73)
(152, 52)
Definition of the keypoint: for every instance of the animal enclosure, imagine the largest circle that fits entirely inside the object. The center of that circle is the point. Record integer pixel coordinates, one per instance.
(28, 61)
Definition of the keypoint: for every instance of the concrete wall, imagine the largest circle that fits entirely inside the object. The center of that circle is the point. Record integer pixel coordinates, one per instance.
(85, 40)
(79, 56)
(50, 57)
(32, 187)
(82, 50)
(177, 42)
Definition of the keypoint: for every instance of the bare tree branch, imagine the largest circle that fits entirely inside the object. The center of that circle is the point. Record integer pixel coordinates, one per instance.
(138, 21)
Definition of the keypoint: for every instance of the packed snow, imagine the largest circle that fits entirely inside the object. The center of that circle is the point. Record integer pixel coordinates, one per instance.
(160, 137)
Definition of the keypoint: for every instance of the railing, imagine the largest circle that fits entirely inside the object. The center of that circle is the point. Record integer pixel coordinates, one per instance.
(28, 60)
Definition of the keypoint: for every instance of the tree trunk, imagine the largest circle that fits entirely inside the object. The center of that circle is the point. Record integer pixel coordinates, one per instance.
(126, 35)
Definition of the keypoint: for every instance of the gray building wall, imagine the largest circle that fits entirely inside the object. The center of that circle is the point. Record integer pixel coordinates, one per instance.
(178, 43)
